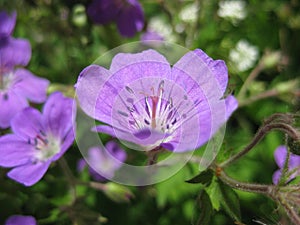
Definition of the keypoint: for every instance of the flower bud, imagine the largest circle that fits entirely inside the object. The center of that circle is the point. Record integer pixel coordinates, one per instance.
(117, 193)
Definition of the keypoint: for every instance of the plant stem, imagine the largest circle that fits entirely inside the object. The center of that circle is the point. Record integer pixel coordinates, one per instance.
(259, 135)
(249, 187)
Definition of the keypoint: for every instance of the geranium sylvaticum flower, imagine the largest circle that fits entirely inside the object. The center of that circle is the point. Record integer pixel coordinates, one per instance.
(128, 14)
(38, 139)
(103, 161)
(280, 155)
(144, 100)
(20, 220)
(16, 84)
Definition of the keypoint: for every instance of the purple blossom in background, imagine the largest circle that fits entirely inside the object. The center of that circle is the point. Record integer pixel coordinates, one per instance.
(293, 164)
(20, 220)
(151, 36)
(103, 162)
(38, 139)
(144, 100)
(128, 14)
(16, 84)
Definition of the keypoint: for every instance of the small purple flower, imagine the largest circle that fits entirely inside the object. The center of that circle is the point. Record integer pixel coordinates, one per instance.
(293, 164)
(144, 100)
(38, 139)
(103, 162)
(128, 14)
(16, 84)
(20, 220)
(151, 36)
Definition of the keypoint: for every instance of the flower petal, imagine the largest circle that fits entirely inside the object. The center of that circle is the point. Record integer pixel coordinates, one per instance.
(88, 86)
(32, 87)
(58, 113)
(28, 123)
(231, 105)
(14, 52)
(280, 155)
(7, 23)
(14, 151)
(276, 176)
(29, 174)
(67, 141)
(20, 220)
(130, 19)
(10, 105)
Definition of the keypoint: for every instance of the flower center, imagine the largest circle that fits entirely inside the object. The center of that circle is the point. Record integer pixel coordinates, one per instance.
(46, 145)
(153, 112)
(6, 79)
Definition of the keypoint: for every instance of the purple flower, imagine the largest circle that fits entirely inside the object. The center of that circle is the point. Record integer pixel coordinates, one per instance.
(128, 14)
(103, 162)
(16, 84)
(293, 164)
(144, 100)
(20, 220)
(151, 36)
(38, 139)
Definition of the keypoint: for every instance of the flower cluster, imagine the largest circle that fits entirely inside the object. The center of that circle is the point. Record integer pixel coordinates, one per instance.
(16, 84)
(128, 14)
(233, 10)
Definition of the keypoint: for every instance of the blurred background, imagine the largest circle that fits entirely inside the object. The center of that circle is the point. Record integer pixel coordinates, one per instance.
(258, 40)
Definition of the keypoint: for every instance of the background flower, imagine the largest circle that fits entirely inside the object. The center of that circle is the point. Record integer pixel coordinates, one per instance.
(16, 84)
(128, 14)
(233, 10)
(280, 155)
(20, 220)
(103, 161)
(38, 139)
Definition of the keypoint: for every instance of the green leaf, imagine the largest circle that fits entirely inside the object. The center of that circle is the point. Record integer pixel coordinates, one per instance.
(215, 195)
(204, 178)
(230, 203)
(205, 207)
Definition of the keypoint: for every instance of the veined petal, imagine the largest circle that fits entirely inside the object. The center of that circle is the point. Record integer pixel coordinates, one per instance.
(7, 23)
(14, 52)
(10, 105)
(32, 87)
(15, 151)
(130, 19)
(29, 174)
(217, 67)
(231, 105)
(20, 220)
(28, 123)
(58, 114)
(66, 144)
(88, 86)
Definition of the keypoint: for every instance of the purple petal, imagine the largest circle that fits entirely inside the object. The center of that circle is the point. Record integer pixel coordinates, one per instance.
(114, 149)
(29, 174)
(276, 176)
(14, 151)
(88, 87)
(7, 23)
(130, 19)
(280, 155)
(28, 123)
(294, 162)
(217, 67)
(151, 36)
(14, 52)
(102, 11)
(32, 87)
(81, 164)
(10, 105)
(20, 220)
(58, 113)
(231, 105)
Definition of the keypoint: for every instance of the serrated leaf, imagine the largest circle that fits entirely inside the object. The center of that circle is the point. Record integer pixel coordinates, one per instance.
(204, 178)
(230, 203)
(205, 207)
(215, 195)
